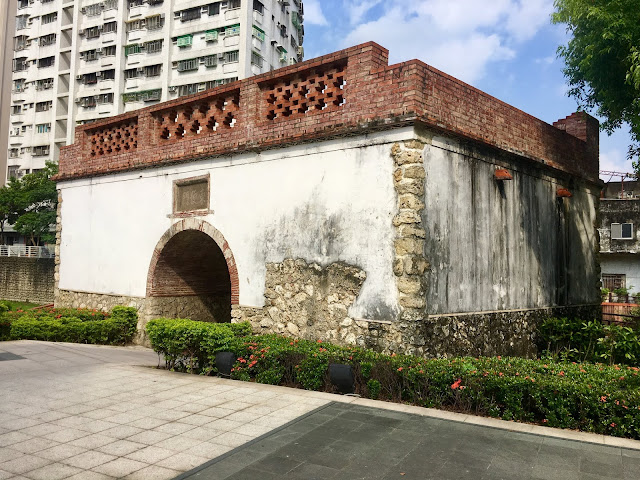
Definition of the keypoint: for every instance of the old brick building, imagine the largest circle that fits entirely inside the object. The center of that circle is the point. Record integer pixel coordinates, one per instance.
(341, 199)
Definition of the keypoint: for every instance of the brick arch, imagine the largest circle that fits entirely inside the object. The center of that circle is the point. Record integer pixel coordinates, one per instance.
(191, 224)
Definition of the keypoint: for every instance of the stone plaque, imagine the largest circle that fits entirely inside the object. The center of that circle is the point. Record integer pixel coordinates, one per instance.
(191, 195)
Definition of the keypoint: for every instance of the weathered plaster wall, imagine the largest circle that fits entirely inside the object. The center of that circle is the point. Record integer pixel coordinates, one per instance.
(619, 211)
(627, 264)
(325, 203)
(509, 246)
(27, 279)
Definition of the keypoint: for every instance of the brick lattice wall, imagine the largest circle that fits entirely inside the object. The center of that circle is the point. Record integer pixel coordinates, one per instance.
(27, 279)
(347, 92)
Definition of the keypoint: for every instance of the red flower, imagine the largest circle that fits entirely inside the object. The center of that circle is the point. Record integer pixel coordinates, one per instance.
(603, 398)
(400, 369)
(613, 424)
(545, 420)
(456, 384)
(561, 374)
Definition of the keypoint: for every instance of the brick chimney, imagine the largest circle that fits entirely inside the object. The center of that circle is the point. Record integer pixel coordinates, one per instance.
(585, 127)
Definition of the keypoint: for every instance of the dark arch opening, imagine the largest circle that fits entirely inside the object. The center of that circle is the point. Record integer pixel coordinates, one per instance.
(191, 280)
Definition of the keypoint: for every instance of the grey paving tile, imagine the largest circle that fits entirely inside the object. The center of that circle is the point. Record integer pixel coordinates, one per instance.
(89, 459)
(23, 464)
(120, 448)
(53, 471)
(120, 467)
(61, 452)
(182, 461)
(153, 472)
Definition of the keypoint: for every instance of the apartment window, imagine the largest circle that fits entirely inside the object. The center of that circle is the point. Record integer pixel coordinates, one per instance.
(231, 57)
(183, 90)
(13, 153)
(40, 150)
(93, 32)
(210, 61)
(19, 85)
(13, 173)
(283, 31)
(190, 14)
(234, 4)
(49, 18)
(258, 33)
(48, 40)
(132, 49)
(134, 25)
(92, 10)
(155, 2)
(185, 41)
(105, 98)
(144, 96)
(256, 59)
(44, 84)
(89, 55)
(136, 3)
(46, 62)
(110, 27)
(214, 9)
(88, 102)
(20, 42)
(153, 70)
(43, 128)
(89, 78)
(622, 231)
(22, 22)
(23, 3)
(46, 1)
(187, 65)
(232, 30)
(155, 22)
(110, 4)
(20, 64)
(44, 106)
(16, 109)
(130, 73)
(109, 51)
(613, 281)
(153, 46)
(109, 74)
(258, 6)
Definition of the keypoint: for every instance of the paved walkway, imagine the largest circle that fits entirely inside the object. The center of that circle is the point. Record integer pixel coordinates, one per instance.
(91, 412)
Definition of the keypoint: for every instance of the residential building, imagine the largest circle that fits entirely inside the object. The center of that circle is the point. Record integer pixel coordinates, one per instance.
(7, 29)
(77, 61)
(619, 239)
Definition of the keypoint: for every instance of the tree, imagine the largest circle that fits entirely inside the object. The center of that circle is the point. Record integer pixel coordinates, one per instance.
(40, 196)
(12, 205)
(602, 60)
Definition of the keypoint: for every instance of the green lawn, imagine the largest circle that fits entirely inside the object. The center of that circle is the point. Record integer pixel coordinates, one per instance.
(13, 306)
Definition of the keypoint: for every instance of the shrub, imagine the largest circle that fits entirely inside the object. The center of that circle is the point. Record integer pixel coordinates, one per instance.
(76, 326)
(588, 397)
(189, 345)
(574, 339)
(5, 323)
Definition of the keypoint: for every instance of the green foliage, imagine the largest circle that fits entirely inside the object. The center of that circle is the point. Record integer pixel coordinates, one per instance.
(71, 325)
(191, 346)
(12, 204)
(5, 324)
(14, 305)
(576, 340)
(602, 60)
(588, 397)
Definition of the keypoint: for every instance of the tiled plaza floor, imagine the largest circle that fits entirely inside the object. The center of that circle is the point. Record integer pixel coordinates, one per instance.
(348, 442)
(90, 412)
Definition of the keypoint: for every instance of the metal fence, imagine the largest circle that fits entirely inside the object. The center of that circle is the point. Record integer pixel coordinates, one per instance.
(25, 251)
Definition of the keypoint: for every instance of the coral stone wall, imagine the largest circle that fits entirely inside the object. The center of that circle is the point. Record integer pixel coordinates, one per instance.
(27, 279)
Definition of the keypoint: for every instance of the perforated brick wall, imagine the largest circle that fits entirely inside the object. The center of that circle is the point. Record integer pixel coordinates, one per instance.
(348, 92)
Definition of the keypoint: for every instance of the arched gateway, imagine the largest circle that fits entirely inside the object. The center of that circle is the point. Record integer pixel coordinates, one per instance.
(192, 274)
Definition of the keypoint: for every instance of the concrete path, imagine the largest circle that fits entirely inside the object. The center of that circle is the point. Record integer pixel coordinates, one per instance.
(91, 412)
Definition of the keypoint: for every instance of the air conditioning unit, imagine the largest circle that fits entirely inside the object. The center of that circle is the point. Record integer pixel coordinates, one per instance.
(78, 101)
(82, 32)
(140, 70)
(98, 74)
(78, 77)
(83, 10)
(100, 28)
(99, 50)
(301, 51)
(172, 89)
(221, 56)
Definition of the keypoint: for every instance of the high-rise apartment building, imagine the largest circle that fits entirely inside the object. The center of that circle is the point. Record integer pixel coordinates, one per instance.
(76, 61)
(7, 29)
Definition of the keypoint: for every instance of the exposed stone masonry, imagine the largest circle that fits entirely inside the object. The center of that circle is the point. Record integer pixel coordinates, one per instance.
(410, 263)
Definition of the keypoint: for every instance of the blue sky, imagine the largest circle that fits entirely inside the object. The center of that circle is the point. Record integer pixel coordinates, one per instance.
(505, 47)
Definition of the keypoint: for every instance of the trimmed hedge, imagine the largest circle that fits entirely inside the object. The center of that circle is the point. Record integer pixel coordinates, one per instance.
(587, 397)
(71, 325)
(189, 345)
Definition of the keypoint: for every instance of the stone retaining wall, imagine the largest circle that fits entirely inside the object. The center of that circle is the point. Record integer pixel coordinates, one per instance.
(27, 279)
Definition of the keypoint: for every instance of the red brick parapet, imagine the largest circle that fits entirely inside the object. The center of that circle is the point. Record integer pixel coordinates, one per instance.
(348, 92)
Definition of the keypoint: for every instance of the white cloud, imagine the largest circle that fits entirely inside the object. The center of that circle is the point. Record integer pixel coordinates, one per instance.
(313, 13)
(461, 38)
(614, 160)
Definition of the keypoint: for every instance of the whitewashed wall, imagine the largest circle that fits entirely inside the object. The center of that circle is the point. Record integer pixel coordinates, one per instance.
(326, 202)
